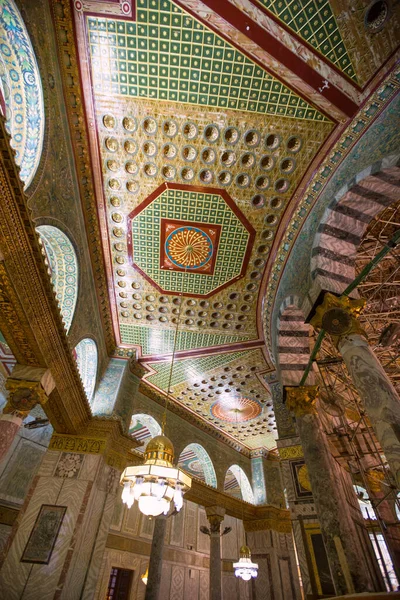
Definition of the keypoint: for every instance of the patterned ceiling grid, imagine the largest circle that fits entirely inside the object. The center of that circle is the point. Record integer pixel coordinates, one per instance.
(315, 22)
(201, 150)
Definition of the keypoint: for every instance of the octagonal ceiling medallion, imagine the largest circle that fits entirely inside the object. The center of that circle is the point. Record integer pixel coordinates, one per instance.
(189, 239)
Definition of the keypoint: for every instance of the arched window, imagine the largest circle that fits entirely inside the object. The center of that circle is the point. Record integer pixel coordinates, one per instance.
(196, 461)
(21, 94)
(237, 484)
(86, 359)
(63, 268)
(364, 502)
(144, 427)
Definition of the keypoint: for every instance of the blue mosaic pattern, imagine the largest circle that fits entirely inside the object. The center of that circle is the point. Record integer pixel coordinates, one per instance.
(107, 392)
(21, 88)
(86, 359)
(196, 461)
(64, 269)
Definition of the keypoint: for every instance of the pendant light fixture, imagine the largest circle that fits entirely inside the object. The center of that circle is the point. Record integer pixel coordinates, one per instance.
(244, 568)
(156, 483)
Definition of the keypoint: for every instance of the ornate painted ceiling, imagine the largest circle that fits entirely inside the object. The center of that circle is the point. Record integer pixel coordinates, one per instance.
(205, 120)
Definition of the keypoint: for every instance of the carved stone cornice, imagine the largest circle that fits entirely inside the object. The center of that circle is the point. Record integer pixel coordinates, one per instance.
(74, 105)
(302, 400)
(33, 292)
(102, 436)
(290, 452)
(339, 316)
(186, 414)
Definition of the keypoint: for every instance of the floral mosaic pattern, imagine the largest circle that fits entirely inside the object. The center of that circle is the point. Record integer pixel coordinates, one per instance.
(63, 266)
(86, 358)
(69, 465)
(21, 89)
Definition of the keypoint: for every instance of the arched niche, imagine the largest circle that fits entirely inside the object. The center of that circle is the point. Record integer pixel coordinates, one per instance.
(196, 461)
(86, 359)
(237, 484)
(63, 268)
(21, 91)
(143, 428)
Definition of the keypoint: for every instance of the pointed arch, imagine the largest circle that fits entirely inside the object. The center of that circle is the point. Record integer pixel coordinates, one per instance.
(86, 359)
(21, 93)
(144, 427)
(237, 484)
(196, 460)
(63, 267)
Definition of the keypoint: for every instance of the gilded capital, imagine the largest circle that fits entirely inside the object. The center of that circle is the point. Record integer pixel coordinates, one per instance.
(23, 396)
(301, 400)
(215, 516)
(339, 316)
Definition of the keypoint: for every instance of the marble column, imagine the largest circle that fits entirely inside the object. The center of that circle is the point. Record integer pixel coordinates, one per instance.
(27, 386)
(339, 317)
(156, 557)
(348, 570)
(215, 516)
(378, 395)
(56, 546)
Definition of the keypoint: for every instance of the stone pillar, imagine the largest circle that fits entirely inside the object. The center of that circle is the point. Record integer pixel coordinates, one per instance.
(156, 556)
(27, 386)
(57, 542)
(338, 316)
(215, 516)
(347, 567)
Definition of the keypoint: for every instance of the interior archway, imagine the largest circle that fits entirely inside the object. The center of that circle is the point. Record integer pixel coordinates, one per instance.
(21, 91)
(196, 461)
(86, 358)
(237, 484)
(144, 427)
(63, 268)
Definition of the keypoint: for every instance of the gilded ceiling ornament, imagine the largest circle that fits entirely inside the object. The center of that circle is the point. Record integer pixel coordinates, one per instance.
(23, 396)
(112, 165)
(111, 144)
(114, 184)
(115, 201)
(131, 167)
(304, 480)
(132, 186)
(375, 479)
(118, 231)
(130, 147)
(120, 260)
(189, 247)
(338, 316)
(301, 400)
(109, 121)
(129, 123)
(117, 217)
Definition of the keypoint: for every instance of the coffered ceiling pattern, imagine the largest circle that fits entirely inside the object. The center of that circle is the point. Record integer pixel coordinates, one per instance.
(200, 150)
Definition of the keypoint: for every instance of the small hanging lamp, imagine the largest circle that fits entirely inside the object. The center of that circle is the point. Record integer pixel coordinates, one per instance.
(245, 568)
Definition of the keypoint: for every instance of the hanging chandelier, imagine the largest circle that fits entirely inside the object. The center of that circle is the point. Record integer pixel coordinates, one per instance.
(156, 483)
(245, 568)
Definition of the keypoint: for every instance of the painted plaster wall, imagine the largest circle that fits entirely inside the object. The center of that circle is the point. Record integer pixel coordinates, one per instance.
(54, 195)
(382, 139)
(186, 555)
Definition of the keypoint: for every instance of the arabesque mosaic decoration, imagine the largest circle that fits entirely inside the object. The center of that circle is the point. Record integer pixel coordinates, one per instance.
(86, 359)
(196, 461)
(21, 89)
(63, 269)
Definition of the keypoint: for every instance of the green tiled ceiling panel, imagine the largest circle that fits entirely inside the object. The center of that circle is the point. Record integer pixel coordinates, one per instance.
(185, 206)
(189, 369)
(157, 341)
(169, 55)
(315, 22)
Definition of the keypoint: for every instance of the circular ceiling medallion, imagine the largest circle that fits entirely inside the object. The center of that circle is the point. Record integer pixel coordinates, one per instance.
(189, 248)
(237, 410)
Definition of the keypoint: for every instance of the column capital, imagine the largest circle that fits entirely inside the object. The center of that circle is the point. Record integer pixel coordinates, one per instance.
(338, 316)
(23, 396)
(215, 516)
(301, 400)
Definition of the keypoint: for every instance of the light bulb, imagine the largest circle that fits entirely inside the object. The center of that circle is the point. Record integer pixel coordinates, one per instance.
(126, 492)
(159, 488)
(131, 498)
(137, 488)
(178, 498)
